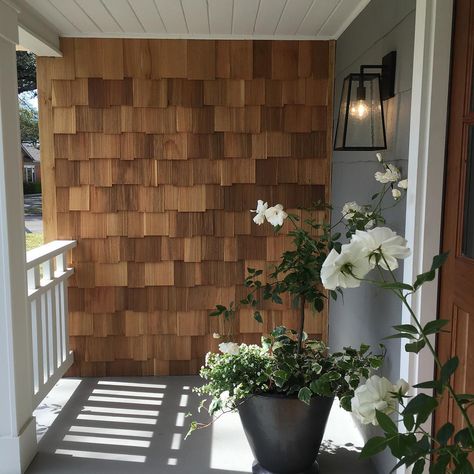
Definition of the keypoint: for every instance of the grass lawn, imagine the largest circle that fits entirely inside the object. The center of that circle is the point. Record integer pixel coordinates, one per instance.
(33, 240)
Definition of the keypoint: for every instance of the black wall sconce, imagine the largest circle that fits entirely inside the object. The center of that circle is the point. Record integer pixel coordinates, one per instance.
(361, 123)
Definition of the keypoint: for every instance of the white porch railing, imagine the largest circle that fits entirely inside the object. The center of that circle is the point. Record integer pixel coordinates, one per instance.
(47, 297)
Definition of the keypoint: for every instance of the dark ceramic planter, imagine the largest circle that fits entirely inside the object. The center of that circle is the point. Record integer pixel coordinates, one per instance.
(284, 433)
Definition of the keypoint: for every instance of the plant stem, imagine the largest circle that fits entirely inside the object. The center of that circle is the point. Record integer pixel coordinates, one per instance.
(301, 329)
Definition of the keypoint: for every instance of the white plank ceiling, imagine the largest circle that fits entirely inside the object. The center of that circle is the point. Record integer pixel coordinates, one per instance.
(278, 19)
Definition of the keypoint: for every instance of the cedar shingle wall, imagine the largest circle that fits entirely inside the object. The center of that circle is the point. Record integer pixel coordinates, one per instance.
(153, 152)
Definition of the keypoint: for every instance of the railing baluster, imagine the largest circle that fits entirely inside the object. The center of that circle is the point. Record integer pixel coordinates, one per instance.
(45, 337)
(37, 351)
(59, 326)
(65, 316)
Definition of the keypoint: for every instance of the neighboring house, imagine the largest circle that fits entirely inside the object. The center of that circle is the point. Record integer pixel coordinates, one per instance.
(30, 156)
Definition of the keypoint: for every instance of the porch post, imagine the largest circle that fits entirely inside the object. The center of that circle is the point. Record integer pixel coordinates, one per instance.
(428, 119)
(17, 426)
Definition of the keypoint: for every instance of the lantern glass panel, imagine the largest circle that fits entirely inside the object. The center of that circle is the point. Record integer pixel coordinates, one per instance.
(361, 122)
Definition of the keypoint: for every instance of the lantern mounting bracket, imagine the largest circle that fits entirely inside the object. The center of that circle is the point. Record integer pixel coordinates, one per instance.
(387, 76)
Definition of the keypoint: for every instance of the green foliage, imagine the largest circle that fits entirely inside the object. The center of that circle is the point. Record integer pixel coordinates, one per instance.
(29, 130)
(32, 188)
(276, 367)
(26, 71)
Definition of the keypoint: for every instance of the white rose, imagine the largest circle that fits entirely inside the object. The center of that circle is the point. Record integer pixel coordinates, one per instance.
(345, 270)
(259, 219)
(350, 208)
(276, 215)
(379, 157)
(396, 194)
(382, 241)
(403, 184)
(376, 394)
(231, 348)
(391, 175)
(216, 335)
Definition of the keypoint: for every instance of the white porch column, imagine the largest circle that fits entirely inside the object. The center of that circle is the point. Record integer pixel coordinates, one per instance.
(428, 120)
(17, 426)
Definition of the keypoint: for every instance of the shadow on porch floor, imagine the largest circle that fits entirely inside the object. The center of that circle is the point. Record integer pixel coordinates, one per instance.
(137, 425)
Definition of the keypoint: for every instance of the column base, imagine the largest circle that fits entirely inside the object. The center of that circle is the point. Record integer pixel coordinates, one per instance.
(16, 453)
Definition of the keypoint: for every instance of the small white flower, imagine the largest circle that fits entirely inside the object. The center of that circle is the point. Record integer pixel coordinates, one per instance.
(376, 394)
(276, 215)
(396, 194)
(345, 270)
(259, 219)
(231, 348)
(391, 175)
(379, 157)
(403, 184)
(350, 208)
(384, 241)
(216, 335)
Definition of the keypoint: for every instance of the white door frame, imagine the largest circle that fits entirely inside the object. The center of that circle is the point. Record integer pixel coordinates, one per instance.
(426, 162)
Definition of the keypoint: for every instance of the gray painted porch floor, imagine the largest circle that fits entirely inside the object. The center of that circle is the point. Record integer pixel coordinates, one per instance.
(137, 425)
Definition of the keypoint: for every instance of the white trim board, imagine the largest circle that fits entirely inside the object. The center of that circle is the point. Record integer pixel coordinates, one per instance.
(199, 36)
(426, 162)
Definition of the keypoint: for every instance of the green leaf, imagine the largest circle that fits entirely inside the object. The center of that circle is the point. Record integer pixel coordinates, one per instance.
(464, 438)
(258, 317)
(305, 395)
(280, 377)
(396, 285)
(463, 466)
(373, 446)
(440, 464)
(406, 328)
(423, 278)
(192, 427)
(429, 384)
(439, 260)
(415, 346)
(418, 467)
(422, 406)
(448, 369)
(401, 335)
(433, 327)
(464, 398)
(444, 433)
(386, 423)
(408, 421)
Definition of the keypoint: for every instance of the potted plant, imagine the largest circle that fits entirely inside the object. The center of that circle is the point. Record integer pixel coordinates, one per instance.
(284, 388)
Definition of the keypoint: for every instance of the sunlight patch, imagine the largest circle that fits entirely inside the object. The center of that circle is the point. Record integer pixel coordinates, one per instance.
(97, 455)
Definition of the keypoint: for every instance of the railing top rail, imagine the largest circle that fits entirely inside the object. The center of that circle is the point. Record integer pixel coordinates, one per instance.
(47, 251)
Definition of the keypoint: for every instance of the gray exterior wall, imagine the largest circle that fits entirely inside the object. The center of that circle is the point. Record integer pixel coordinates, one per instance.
(367, 314)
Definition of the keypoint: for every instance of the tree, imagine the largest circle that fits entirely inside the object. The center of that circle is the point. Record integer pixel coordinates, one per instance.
(29, 124)
(26, 70)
